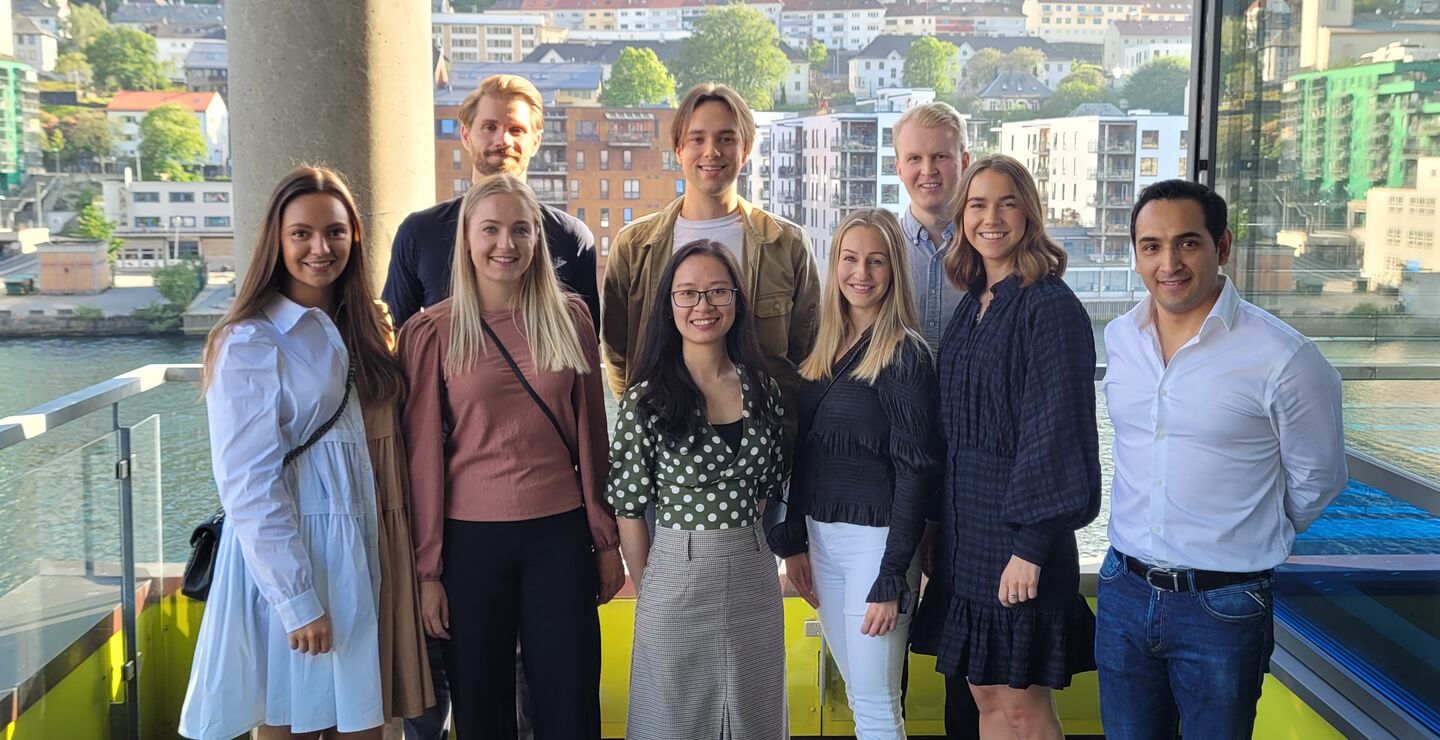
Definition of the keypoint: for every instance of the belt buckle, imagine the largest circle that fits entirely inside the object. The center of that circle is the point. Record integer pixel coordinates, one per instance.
(1174, 577)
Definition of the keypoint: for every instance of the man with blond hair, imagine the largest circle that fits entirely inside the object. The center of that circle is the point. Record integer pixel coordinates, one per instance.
(712, 137)
(931, 158)
(500, 128)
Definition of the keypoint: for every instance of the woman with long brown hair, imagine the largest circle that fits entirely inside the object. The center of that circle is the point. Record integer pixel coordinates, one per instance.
(290, 642)
(1017, 409)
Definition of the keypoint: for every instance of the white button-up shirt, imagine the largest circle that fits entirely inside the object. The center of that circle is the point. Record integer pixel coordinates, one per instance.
(1227, 452)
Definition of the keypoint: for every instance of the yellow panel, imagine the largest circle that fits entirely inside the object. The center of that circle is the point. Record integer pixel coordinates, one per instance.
(1283, 716)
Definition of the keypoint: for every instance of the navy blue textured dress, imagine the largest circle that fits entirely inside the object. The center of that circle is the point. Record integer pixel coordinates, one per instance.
(1017, 408)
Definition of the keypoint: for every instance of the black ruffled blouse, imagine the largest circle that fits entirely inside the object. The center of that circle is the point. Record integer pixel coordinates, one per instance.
(869, 455)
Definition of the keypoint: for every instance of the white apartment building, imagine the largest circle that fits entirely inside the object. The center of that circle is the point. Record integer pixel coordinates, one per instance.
(881, 64)
(35, 46)
(842, 25)
(488, 37)
(1129, 44)
(162, 222)
(1401, 225)
(929, 19)
(1082, 23)
(1089, 167)
(127, 109)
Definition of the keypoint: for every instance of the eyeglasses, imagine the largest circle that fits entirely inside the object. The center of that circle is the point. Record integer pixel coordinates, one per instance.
(714, 297)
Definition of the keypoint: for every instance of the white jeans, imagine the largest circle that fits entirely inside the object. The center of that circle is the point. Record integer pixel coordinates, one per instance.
(845, 559)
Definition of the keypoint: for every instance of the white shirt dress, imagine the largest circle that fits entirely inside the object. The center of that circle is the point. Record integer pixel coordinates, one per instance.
(299, 541)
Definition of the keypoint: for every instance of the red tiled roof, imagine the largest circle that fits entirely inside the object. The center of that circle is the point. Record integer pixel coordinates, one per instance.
(198, 102)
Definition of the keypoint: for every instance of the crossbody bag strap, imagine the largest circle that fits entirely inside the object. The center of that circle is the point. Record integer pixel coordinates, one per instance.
(514, 368)
(315, 437)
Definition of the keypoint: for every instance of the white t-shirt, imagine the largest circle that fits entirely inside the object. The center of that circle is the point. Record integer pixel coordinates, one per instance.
(727, 230)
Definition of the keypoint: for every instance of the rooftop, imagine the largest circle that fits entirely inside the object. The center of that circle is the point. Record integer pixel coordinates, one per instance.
(548, 78)
(1153, 28)
(208, 55)
(884, 44)
(1015, 85)
(130, 100)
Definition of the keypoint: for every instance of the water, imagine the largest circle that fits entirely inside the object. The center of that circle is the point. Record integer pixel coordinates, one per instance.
(57, 500)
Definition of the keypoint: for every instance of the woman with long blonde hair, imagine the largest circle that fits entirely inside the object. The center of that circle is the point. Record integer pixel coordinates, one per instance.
(290, 638)
(866, 462)
(1017, 409)
(508, 455)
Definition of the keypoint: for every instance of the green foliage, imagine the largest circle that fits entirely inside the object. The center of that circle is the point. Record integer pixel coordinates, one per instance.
(1382, 8)
(181, 282)
(637, 78)
(170, 144)
(125, 59)
(87, 133)
(470, 6)
(1158, 85)
(735, 45)
(88, 313)
(987, 63)
(817, 53)
(162, 318)
(1072, 92)
(91, 223)
(75, 68)
(1365, 309)
(932, 63)
(1088, 74)
(84, 24)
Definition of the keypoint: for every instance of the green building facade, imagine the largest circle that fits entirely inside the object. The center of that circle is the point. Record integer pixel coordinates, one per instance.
(1362, 126)
(19, 122)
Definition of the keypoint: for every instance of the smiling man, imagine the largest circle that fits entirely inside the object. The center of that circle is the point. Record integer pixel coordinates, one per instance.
(712, 136)
(1228, 442)
(930, 157)
(500, 128)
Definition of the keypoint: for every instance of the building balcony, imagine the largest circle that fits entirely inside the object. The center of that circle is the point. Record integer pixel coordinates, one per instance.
(1126, 175)
(551, 196)
(546, 167)
(853, 144)
(852, 173)
(1042, 173)
(631, 138)
(551, 137)
(788, 145)
(842, 200)
(1118, 147)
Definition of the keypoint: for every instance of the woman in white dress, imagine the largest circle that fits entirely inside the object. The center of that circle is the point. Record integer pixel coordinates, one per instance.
(289, 642)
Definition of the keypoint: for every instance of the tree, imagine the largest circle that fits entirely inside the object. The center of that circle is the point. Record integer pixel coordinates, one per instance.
(1158, 85)
(74, 67)
(735, 45)
(53, 142)
(84, 24)
(470, 6)
(91, 223)
(982, 68)
(818, 54)
(1088, 74)
(125, 59)
(1027, 60)
(637, 78)
(170, 141)
(1070, 93)
(179, 283)
(87, 134)
(932, 63)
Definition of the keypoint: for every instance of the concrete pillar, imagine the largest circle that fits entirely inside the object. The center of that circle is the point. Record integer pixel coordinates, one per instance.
(343, 83)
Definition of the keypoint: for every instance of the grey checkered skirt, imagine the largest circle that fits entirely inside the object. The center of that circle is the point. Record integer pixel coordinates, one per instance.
(709, 658)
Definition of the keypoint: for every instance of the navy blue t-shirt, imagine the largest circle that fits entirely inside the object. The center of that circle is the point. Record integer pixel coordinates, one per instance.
(424, 245)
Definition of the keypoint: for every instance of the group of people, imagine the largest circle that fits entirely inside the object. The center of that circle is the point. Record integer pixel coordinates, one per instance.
(426, 524)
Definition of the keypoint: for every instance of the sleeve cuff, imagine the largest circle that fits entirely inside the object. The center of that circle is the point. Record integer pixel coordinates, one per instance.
(788, 538)
(299, 610)
(890, 588)
(1033, 541)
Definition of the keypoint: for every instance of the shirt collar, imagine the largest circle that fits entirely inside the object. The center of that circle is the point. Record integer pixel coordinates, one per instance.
(285, 313)
(1223, 312)
(916, 233)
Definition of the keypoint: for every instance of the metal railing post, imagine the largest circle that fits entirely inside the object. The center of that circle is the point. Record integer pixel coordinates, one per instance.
(130, 668)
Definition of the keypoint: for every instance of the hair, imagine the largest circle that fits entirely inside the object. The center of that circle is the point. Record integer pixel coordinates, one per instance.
(1036, 256)
(934, 115)
(897, 320)
(362, 320)
(704, 93)
(549, 328)
(672, 396)
(1216, 212)
(505, 86)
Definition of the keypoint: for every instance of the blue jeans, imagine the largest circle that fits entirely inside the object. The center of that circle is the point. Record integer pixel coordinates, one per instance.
(1196, 659)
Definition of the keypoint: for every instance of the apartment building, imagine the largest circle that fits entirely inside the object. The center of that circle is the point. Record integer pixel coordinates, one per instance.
(1089, 167)
(489, 37)
(162, 222)
(881, 64)
(1401, 225)
(128, 108)
(1129, 44)
(842, 25)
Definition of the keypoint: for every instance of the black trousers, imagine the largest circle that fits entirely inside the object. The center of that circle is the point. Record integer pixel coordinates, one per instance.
(536, 580)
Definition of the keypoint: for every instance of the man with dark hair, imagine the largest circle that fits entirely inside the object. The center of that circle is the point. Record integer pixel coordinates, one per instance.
(500, 128)
(1228, 442)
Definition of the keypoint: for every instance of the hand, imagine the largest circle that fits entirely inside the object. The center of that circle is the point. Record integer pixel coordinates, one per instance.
(612, 575)
(880, 618)
(1020, 582)
(313, 638)
(434, 610)
(927, 550)
(797, 569)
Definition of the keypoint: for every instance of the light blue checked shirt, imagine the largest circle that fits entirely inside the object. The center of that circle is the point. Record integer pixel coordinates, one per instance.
(935, 297)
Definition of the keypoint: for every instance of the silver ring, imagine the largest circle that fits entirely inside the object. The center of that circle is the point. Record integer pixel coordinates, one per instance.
(1014, 597)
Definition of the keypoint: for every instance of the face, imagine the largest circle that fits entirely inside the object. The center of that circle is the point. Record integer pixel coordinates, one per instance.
(502, 137)
(1176, 256)
(863, 270)
(994, 221)
(926, 160)
(500, 234)
(703, 323)
(711, 153)
(315, 240)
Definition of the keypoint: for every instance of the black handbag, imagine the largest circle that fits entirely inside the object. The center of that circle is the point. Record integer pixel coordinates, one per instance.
(205, 540)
